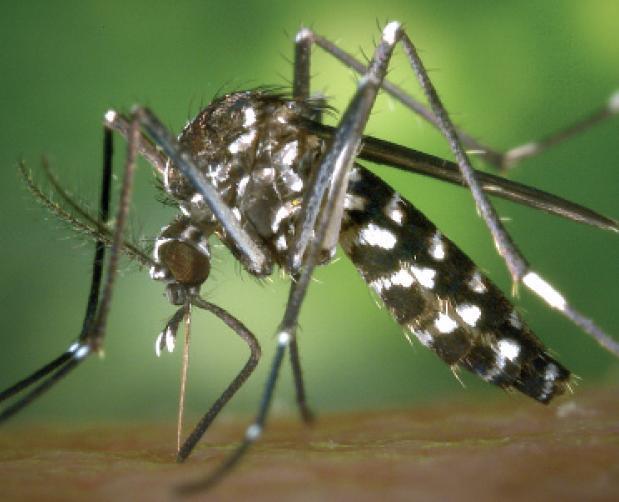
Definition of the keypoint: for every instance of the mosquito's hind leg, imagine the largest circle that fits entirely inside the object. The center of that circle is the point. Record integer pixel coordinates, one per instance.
(502, 160)
(515, 261)
(510, 158)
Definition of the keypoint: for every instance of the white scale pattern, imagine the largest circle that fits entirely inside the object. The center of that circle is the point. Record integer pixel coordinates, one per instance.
(424, 275)
(373, 235)
(550, 375)
(437, 247)
(445, 324)
(393, 211)
(470, 314)
(476, 283)
(243, 142)
(355, 202)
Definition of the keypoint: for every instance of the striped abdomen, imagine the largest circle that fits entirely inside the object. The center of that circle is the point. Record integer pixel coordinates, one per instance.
(437, 293)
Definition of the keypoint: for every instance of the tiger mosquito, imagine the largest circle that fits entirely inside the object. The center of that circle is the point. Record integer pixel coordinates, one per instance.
(259, 170)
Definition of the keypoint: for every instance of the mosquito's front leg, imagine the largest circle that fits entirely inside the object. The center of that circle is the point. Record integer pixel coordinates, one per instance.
(254, 356)
(120, 124)
(516, 263)
(54, 371)
(95, 334)
(336, 164)
(181, 257)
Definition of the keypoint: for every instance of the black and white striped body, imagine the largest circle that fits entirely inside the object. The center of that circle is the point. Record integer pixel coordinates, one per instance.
(438, 294)
(252, 147)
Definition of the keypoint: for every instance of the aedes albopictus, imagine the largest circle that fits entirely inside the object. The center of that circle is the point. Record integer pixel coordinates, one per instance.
(260, 171)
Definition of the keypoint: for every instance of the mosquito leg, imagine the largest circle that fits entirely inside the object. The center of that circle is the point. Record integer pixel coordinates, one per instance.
(517, 265)
(333, 174)
(75, 357)
(300, 90)
(305, 38)
(234, 386)
(117, 122)
(251, 435)
(527, 150)
(36, 376)
(104, 215)
(496, 158)
(302, 60)
(306, 413)
(93, 336)
(54, 371)
(336, 163)
(384, 152)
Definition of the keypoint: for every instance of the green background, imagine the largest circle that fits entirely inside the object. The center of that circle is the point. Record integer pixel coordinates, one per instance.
(508, 71)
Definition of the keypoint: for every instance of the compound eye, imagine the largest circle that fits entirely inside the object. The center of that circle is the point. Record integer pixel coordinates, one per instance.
(187, 265)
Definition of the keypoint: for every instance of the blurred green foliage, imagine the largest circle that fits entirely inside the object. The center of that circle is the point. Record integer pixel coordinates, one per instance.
(508, 71)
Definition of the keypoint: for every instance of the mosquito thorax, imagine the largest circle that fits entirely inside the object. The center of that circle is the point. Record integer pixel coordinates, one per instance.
(253, 149)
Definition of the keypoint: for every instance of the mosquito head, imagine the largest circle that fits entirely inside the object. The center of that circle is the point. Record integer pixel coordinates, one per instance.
(186, 264)
(182, 259)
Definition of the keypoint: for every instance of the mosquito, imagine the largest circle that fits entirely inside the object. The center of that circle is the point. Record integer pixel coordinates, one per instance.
(259, 170)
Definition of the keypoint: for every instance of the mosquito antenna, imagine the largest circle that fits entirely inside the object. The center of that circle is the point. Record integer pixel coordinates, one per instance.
(85, 223)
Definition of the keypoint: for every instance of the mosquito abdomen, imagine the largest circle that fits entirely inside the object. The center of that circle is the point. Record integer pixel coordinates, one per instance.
(437, 293)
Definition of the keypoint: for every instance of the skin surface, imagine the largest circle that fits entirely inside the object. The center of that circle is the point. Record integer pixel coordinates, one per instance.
(473, 451)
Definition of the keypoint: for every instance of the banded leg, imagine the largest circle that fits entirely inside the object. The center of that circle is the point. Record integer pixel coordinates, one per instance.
(515, 261)
(517, 265)
(502, 160)
(184, 233)
(315, 219)
(391, 154)
(317, 216)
